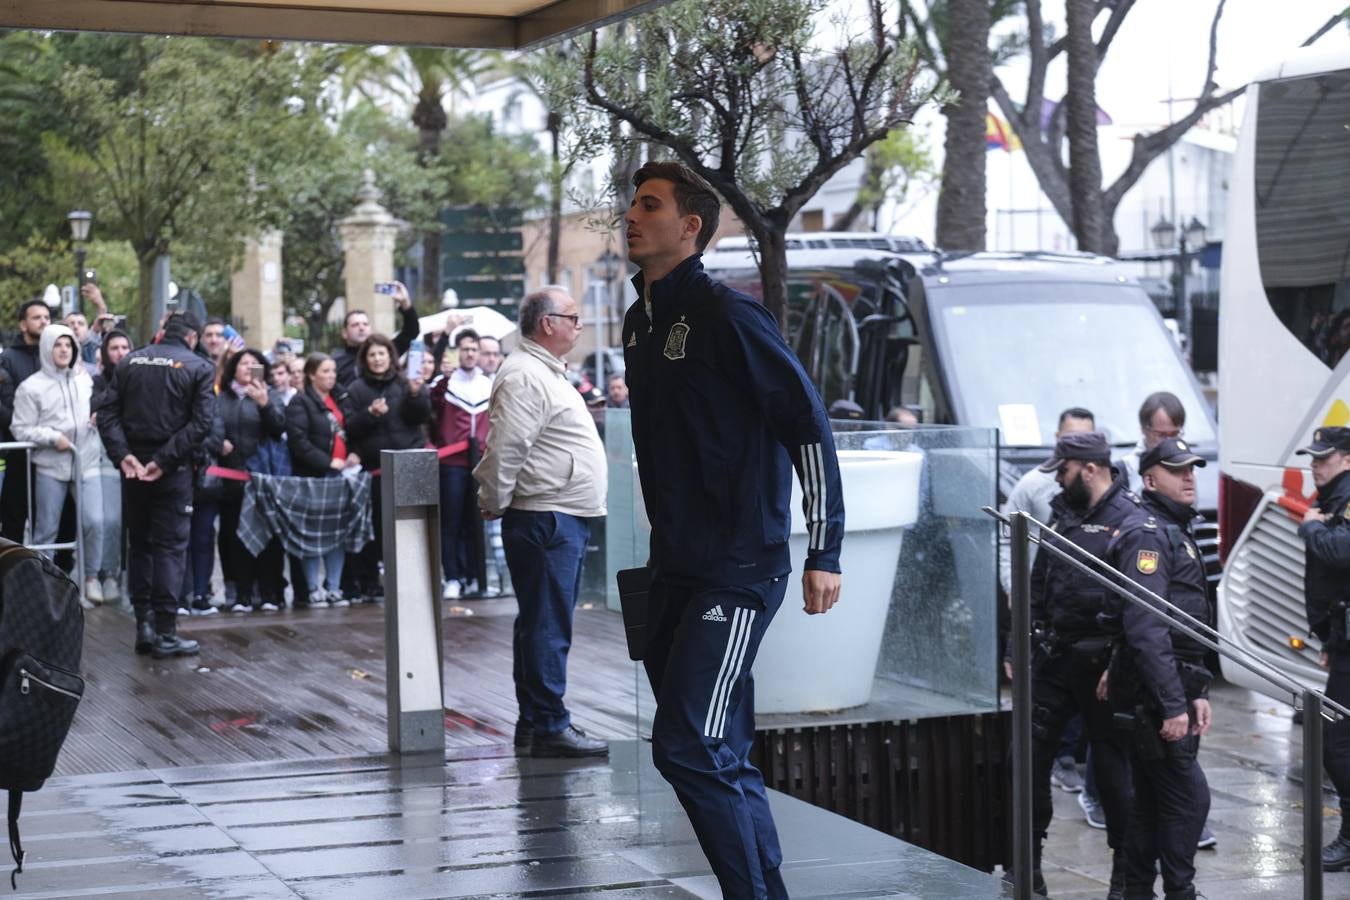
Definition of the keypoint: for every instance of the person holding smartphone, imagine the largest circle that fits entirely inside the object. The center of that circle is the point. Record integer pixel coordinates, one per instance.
(356, 328)
(388, 412)
(252, 415)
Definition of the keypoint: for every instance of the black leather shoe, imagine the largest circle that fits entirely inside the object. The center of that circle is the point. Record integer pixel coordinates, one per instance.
(524, 736)
(145, 635)
(167, 645)
(1183, 894)
(1336, 855)
(570, 742)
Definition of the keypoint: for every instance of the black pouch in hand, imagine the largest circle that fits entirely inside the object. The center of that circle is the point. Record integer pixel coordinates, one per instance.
(636, 597)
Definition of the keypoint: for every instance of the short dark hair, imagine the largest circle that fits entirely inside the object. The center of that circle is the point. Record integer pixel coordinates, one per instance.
(1168, 403)
(347, 319)
(1077, 412)
(693, 195)
(465, 334)
(29, 304)
(213, 320)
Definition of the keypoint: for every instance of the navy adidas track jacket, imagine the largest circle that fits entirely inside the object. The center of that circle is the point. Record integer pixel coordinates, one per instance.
(722, 413)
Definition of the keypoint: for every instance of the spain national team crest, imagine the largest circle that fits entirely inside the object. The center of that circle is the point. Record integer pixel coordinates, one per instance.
(679, 333)
(1147, 561)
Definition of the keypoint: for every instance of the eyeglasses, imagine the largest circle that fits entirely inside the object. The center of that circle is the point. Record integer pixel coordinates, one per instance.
(576, 319)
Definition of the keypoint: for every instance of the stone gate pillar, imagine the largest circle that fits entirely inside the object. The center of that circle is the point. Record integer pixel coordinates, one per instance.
(368, 236)
(255, 291)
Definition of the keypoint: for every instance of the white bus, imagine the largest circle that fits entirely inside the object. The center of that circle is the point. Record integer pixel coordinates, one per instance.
(1284, 328)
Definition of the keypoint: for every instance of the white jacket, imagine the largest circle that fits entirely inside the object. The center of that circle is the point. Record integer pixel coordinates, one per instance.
(54, 402)
(543, 451)
(1033, 494)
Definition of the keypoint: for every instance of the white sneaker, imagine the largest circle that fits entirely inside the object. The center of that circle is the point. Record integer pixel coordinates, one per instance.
(268, 607)
(471, 586)
(451, 589)
(317, 599)
(241, 608)
(93, 591)
(112, 591)
(336, 600)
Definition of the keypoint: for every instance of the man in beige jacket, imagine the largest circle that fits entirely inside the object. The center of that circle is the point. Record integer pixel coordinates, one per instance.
(544, 474)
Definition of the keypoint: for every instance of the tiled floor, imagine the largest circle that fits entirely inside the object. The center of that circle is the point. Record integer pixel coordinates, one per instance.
(375, 827)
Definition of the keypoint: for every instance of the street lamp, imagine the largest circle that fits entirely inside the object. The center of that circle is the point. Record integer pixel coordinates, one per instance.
(1187, 242)
(80, 221)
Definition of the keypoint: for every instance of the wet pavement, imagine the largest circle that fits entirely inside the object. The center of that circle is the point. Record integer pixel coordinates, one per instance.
(480, 823)
(1252, 759)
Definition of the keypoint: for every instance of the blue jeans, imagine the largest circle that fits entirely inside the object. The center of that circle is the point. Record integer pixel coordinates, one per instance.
(203, 545)
(544, 552)
(459, 516)
(101, 511)
(332, 565)
(49, 498)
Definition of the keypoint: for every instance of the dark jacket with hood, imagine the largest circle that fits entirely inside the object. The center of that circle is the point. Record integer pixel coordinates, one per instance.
(398, 429)
(246, 424)
(311, 430)
(159, 404)
(17, 363)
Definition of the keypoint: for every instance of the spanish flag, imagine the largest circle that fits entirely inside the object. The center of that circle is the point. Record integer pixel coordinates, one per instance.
(998, 135)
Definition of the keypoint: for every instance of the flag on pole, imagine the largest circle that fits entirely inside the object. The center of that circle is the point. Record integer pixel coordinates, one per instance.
(998, 135)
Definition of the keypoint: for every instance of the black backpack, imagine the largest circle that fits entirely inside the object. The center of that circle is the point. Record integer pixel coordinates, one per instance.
(41, 638)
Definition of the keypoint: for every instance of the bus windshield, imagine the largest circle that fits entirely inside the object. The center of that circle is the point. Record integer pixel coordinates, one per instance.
(1017, 360)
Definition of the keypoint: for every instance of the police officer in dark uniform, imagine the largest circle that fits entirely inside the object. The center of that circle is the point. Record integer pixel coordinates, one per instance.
(1158, 684)
(1326, 590)
(1071, 648)
(155, 413)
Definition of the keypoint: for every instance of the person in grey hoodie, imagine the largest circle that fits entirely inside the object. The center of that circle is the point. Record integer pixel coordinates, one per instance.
(51, 409)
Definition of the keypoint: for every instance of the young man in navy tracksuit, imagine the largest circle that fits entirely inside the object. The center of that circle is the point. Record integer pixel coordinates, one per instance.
(722, 414)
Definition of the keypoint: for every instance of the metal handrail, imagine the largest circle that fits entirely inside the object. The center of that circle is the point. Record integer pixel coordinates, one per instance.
(77, 479)
(1192, 627)
(1315, 703)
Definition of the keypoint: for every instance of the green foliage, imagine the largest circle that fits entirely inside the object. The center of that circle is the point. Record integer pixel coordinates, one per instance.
(896, 165)
(479, 166)
(26, 269)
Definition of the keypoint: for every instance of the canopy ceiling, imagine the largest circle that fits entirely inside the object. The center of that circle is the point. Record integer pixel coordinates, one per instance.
(483, 24)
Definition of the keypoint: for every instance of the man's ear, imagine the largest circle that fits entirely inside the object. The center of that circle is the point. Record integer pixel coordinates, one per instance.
(693, 224)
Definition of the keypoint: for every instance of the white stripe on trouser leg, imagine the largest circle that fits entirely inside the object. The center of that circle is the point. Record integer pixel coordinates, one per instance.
(721, 672)
(728, 658)
(742, 645)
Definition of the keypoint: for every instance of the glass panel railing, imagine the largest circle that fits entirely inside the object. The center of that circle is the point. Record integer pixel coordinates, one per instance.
(916, 632)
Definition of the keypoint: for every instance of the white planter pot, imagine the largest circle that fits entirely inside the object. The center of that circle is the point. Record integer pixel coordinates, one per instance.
(828, 662)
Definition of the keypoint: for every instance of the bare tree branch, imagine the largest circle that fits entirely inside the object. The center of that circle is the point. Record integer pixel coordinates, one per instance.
(1326, 27)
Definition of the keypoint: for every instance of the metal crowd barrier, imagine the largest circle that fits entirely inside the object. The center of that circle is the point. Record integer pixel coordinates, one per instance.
(1316, 705)
(77, 474)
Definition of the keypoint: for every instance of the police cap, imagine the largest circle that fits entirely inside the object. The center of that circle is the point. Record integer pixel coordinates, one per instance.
(1327, 441)
(1086, 446)
(1174, 453)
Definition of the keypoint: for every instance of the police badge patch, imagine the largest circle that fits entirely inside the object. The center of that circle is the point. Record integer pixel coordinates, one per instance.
(1147, 561)
(1190, 551)
(679, 333)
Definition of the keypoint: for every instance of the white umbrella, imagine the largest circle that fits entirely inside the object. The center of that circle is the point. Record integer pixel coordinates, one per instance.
(483, 319)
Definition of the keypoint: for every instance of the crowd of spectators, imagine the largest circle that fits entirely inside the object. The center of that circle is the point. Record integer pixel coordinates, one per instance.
(277, 413)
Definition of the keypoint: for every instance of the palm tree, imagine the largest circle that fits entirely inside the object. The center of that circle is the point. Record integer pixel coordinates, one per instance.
(427, 77)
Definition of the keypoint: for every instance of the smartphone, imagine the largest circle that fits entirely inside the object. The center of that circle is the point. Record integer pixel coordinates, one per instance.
(120, 323)
(256, 371)
(385, 287)
(91, 275)
(229, 332)
(413, 367)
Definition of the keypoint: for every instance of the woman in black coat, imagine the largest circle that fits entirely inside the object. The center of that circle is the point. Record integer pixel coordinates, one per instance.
(252, 415)
(388, 413)
(316, 433)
